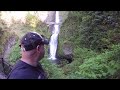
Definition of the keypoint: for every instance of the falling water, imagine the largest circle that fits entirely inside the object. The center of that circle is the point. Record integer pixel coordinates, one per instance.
(54, 38)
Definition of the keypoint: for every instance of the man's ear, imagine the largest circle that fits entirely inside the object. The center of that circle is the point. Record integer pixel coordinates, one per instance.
(22, 49)
(38, 47)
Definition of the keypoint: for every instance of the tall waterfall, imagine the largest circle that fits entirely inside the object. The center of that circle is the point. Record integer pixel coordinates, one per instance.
(54, 38)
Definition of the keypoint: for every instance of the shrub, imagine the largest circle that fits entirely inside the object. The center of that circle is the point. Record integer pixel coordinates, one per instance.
(53, 71)
(95, 30)
(101, 66)
(15, 54)
(80, 54)
(32, 20)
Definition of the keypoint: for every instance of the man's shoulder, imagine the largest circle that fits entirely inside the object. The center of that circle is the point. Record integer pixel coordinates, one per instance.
(20, 73)
(24, 71)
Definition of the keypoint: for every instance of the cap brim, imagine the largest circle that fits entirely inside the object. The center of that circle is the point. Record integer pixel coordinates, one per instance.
(46, 42)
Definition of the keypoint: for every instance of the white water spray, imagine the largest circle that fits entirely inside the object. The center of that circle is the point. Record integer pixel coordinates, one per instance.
(54, 38)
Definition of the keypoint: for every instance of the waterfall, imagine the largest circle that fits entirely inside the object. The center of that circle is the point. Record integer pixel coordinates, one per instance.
(54, 38)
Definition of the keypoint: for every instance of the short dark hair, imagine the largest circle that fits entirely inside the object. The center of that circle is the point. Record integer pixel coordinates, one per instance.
(31, 39)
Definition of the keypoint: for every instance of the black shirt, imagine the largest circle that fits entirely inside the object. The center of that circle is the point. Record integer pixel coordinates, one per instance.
(23, 70)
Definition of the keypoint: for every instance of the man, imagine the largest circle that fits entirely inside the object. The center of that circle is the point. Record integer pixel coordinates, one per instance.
(32, 50)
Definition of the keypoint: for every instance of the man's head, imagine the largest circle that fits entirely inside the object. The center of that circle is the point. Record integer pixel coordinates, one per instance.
(32, 45)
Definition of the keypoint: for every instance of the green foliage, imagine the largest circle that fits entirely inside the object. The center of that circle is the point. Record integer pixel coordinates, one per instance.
(101, 66)
(15, 54)
(83, 53)
(95, 36)
(53, 71)
(32, 20)
(80, 54)
(43, 29)
(93, 66)
(70, 29)
(92, 29)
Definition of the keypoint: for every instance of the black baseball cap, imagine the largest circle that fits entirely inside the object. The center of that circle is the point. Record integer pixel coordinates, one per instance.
(32, 39)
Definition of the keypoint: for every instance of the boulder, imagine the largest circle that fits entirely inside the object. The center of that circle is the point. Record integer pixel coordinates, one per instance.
(68, 51)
